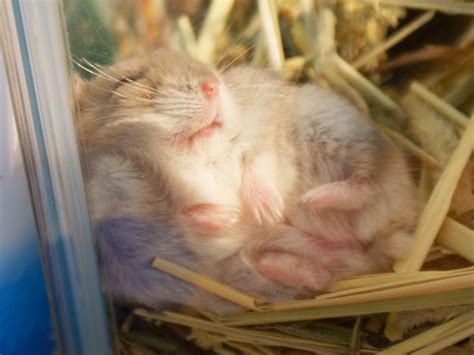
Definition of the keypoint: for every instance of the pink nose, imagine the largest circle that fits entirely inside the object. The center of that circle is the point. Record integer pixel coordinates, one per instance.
(209, 89)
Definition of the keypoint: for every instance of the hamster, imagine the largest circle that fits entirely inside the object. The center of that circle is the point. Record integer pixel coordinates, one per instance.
(226, 156)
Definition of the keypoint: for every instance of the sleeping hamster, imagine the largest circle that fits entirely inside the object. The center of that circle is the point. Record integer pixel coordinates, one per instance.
(225, 157)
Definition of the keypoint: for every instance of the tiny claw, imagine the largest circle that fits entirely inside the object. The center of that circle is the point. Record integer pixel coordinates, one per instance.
(269, 215)
(266, 203)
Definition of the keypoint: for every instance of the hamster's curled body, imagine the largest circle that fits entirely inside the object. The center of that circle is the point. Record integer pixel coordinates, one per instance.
(182, 123)
(289, 182)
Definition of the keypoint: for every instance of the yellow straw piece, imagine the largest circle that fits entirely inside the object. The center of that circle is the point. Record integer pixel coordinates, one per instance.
(213, 26)
(448, 298)
(267, 350)
(308, 14)
(429, 336)
(450, 7)
(245, 348)
(457, 237)
(439, 105)
(389, 279)
(392, 330)
(322, 41)
(365, 86)
(271, 31)
(412, 148)
(394, 39)
(438, 205)
(418, 289)
(186, 35)
(447, 341)
(208, 284)
(256, 337)
(292, 66)
(385, 283)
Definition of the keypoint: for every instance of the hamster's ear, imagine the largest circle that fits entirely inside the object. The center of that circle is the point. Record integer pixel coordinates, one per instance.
(78, 88)
(293, 269)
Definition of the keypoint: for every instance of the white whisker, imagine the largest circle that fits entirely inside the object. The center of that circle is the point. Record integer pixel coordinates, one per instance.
(133, 83)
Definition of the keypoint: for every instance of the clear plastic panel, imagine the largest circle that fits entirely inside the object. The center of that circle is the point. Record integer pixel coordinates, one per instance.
(36, 60)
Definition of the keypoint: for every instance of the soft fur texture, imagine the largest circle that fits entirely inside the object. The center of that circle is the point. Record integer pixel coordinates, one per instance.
(290, 191)
(127, 248)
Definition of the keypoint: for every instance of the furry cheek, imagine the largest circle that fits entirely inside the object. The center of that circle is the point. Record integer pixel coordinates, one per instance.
(229, 109)
(170, 126)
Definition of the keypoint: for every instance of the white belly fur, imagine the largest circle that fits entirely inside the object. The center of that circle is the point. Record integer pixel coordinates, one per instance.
(206, 175)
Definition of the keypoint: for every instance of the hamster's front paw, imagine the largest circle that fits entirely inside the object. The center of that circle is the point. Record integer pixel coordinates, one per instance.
(210, 218)
(265, 202)
(344, 194)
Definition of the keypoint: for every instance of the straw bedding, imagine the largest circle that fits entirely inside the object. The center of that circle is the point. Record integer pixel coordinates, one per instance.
(406, 64)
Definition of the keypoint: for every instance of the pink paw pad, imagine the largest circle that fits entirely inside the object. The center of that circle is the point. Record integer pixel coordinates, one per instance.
(207, 217)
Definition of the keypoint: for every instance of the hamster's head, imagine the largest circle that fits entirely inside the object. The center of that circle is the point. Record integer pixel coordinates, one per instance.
(181, 98)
